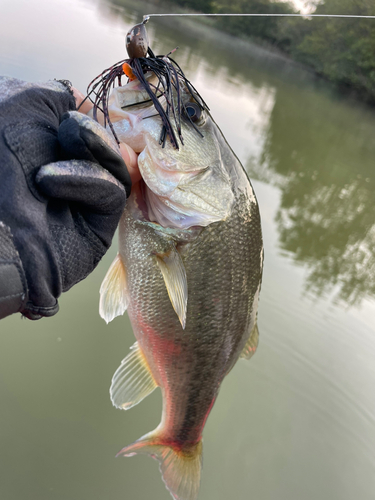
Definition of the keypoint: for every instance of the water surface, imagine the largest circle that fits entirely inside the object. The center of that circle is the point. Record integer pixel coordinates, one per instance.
(298, 421)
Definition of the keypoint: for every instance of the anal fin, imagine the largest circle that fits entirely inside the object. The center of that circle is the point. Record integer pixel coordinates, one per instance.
(174, 274)
(132, 380)
(113, 291)
(251, 344)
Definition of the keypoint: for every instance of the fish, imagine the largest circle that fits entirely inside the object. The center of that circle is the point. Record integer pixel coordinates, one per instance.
(188, 272)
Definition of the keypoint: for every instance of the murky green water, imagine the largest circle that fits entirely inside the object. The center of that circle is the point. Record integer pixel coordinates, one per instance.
(298, 421)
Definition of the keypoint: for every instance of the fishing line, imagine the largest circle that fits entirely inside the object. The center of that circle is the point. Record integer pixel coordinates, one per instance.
(146, 17)
(168, 73)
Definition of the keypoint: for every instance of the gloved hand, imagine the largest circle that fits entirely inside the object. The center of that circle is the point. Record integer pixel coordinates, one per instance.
(63, 187)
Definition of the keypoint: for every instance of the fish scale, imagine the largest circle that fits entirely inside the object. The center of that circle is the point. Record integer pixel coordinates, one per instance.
(191, 295)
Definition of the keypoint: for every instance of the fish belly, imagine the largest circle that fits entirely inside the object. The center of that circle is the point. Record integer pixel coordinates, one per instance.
(223, 268)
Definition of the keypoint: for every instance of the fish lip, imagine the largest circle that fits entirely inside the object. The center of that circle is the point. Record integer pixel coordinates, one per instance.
(136, 103)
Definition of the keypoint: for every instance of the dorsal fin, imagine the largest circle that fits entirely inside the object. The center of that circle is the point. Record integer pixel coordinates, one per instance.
(174, 274)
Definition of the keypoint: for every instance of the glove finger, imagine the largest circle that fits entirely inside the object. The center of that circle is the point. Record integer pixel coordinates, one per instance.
(89, 189)
(82, 138)
(82, 182)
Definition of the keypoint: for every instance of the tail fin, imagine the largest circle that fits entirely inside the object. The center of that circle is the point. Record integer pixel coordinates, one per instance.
(180, 468)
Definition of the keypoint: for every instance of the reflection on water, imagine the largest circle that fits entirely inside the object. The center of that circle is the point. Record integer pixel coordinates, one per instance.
(324, 170)
(320, 155)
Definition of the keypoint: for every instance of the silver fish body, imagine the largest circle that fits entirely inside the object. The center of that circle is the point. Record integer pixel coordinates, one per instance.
(191, 291)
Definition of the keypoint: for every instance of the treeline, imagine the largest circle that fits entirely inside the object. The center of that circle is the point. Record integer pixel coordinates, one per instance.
(342, 50)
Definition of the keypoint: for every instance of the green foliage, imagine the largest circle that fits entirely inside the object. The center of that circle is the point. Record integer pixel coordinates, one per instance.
(198, 5)
(259, 27)
(341, 50)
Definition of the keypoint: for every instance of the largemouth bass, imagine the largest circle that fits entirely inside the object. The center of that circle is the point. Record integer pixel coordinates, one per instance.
(188, 272)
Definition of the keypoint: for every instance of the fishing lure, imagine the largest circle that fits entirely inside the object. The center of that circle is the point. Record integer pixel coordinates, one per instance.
(170, 78)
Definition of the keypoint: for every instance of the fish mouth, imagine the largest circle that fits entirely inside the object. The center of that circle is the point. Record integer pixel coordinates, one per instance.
(136, 104)
(179, 186)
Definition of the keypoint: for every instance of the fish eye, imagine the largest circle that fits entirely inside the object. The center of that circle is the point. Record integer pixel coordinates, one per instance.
(193, 111)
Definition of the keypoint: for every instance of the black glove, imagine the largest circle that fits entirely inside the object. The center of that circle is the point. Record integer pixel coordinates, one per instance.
(59, 207)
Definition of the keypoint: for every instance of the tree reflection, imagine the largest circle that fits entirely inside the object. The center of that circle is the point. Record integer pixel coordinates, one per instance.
(319, 151)
(322, 153)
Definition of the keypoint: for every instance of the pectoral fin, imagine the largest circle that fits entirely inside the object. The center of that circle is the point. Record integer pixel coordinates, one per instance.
(174, 274)
(113, 291)
(132, 381)
(251, 344)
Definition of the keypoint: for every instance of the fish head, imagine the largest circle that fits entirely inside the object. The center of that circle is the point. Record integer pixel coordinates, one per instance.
(185, 186)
